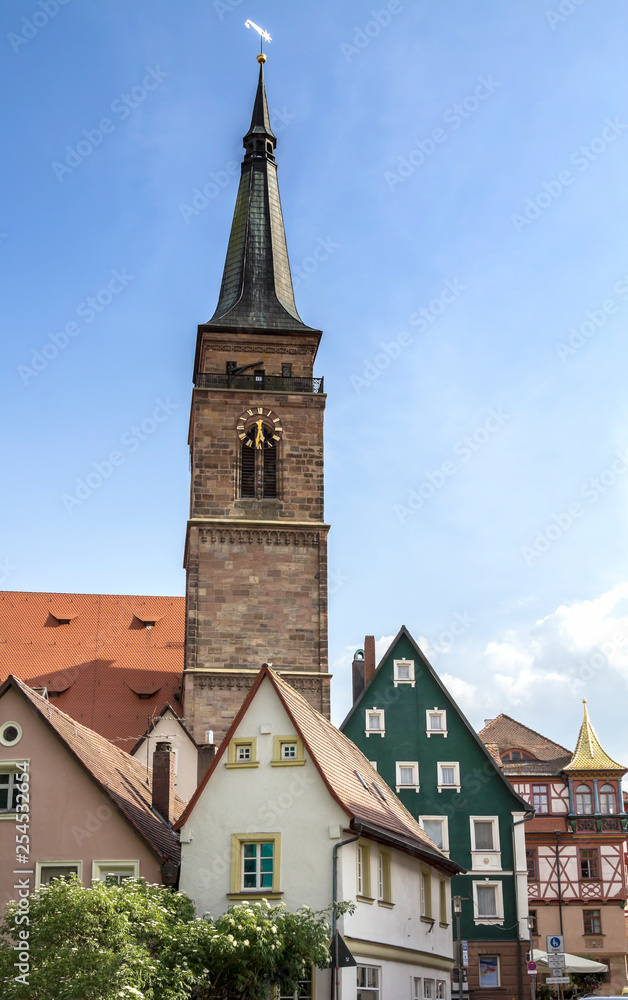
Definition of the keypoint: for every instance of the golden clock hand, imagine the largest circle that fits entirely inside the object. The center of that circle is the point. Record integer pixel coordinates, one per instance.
(259, 438)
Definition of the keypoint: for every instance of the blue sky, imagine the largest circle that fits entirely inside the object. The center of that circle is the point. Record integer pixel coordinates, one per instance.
(464, 166)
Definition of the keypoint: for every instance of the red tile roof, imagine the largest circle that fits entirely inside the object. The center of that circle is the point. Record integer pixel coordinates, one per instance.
(508, 734)
(353, 783)
(110, 672)
(122, 778)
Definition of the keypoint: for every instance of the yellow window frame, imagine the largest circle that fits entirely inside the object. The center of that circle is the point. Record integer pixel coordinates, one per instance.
(237, 841)
(281, 741)
(232, 752)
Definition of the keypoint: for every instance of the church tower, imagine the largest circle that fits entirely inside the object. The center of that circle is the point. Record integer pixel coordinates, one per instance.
(256, 544)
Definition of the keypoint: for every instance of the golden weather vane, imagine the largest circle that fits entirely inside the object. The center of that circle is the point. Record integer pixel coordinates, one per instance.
(263, 36)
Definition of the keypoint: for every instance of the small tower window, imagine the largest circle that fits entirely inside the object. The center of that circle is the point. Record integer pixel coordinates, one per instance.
(259, 379)
(286, 371)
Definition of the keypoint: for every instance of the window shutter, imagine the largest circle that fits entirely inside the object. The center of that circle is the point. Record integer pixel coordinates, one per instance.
(269, 474)
(247, 484)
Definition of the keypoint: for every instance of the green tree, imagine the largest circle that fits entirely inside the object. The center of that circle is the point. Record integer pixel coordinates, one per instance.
(143, 942)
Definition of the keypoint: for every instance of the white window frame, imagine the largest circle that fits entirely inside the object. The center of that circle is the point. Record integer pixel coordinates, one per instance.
(10, 725)
(397, 680)
(441, 989)
(486, 860)
(445, 822)
(456, 766)
(375, 991)
(382, 717)
(429, 989)
(443, 716)
(414, 764)
(100, 869)
(417, 988)
(57, 864)
(13, 767)
(499, 901)
(494, 820)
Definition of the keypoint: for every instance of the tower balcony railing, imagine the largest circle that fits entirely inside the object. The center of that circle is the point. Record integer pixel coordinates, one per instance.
(258, 382)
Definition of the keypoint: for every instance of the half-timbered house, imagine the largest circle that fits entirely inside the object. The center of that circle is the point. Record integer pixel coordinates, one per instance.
(576, 843)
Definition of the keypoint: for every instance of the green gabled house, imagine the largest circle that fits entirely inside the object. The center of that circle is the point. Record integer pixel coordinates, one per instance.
(409, 726)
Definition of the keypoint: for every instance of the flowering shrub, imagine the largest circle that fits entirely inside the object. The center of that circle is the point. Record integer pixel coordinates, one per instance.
(143, 942)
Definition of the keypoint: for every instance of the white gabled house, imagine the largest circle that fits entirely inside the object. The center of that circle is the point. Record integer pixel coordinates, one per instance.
(285, 794)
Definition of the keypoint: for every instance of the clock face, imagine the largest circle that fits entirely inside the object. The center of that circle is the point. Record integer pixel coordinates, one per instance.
(259, 428)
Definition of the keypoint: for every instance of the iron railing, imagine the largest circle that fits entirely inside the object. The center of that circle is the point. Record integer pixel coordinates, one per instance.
(264, 383)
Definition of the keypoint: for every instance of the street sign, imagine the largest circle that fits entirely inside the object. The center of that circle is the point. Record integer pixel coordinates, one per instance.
(465, 953)
(532, 968)
(555, 944)
(557, 979)
(556, 962)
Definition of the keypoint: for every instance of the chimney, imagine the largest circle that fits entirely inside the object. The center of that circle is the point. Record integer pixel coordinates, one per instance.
(369, 658)
(357, 673)
(163, 781)
(205, 754)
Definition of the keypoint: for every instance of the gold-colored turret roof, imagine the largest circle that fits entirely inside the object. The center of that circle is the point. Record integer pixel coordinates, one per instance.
(589, 755)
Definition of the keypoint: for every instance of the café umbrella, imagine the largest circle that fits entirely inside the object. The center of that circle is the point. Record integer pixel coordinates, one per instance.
(573, 963)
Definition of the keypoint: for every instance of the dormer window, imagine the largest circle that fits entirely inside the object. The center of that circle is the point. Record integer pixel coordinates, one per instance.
(512, 756)
(403, 672)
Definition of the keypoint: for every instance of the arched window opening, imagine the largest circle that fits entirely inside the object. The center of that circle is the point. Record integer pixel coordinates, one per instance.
(258, 463)
(512, 756)
(584, 800)
(608, 802)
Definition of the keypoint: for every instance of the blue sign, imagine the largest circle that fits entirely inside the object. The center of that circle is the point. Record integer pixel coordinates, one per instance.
(465, 953)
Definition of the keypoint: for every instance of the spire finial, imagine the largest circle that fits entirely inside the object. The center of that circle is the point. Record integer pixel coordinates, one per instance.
(262, 35)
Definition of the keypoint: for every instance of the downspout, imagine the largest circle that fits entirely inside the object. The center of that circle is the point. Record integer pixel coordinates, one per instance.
(334, 893)
(518, 822)
(560, 888)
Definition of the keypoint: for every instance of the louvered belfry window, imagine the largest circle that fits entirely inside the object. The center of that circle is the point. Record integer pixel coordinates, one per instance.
(258, 467)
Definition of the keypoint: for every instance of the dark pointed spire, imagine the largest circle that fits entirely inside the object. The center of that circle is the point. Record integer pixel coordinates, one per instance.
(256, 291)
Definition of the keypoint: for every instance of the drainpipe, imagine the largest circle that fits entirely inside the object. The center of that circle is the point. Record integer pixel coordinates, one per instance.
(334, 892)
(560, 888)
(518, 822)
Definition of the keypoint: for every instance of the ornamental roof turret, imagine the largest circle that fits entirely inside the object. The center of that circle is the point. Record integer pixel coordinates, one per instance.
(589, 755)
(256, 292)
